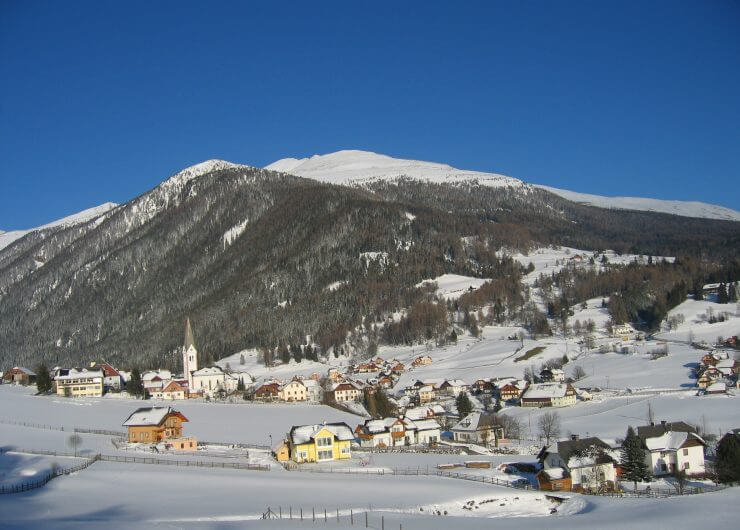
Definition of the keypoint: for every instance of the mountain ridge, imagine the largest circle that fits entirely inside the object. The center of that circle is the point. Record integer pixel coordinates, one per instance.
(357, 167)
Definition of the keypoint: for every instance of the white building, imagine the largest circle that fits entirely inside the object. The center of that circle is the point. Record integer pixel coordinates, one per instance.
(211, 380)
(549, 395)
(293, 391)
(154, 380)
(189, 355)
(477, 428)
(589, 462)
(673, 447)
(84, 383)
(395, 432)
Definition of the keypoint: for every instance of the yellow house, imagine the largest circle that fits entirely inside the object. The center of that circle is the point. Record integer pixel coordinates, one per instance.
(82, 383)
(320, 443)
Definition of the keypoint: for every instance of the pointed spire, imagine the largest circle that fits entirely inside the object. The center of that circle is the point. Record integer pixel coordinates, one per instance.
(189, 340)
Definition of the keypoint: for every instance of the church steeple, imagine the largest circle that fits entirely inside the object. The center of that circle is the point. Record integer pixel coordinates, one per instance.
(189, 340)
(189, 354)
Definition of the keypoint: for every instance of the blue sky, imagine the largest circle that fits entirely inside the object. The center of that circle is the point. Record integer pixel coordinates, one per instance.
(100, 101)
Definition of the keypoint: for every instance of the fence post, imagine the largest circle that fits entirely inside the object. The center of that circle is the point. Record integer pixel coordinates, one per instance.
(301, 513)
(324, 514)
(351, 517)
(365, 519)
(291, 512)
(337, 515)
(313, 514)
(280, 508)
(382, 522)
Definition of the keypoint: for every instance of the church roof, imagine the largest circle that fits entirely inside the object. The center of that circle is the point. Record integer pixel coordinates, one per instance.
(189, 339)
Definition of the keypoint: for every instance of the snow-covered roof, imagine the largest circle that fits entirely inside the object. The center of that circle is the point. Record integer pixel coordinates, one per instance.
(546, 390)
(24, 370)
(554, 473)
(717, 387)
(162, 374)
(150, 416)
(426, 388)
(305, 433)
(474, 421)
(81, 374)
(210, 370)
(426, 425)
(671, 441)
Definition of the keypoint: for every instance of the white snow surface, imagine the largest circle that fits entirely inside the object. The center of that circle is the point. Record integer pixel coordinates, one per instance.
(351, 167)
(684, 208)
(453, 286)
(6, 238)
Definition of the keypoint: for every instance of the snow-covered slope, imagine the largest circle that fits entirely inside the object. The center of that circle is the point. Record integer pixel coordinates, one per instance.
(357, 167)
(350, 167)
(6, 238)
(684, 208)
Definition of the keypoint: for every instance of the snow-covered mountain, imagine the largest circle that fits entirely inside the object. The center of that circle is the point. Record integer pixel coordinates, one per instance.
(6, 238)
(353, 167)
(684, 208)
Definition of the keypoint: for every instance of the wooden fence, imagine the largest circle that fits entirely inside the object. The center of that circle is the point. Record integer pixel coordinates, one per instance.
(363, 519)
(655, 493)
(182, 463)
(519, 484)
(38, 483)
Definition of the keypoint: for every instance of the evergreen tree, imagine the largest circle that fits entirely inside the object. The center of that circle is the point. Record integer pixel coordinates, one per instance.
(43, 379)
(135, 386)
(633, 458)
(284, 353)
(298, 354)
(722, 296)
(241, 359)
(240, 385)
(732, 292)
(727, 460)
(383, 405)
(463, 405)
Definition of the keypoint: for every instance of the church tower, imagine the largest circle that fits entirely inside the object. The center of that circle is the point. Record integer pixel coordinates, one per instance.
(189, 355)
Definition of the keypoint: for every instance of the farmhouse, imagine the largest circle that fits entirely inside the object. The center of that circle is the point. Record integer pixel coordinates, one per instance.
(588, 463)
(393, 432)
(549, 395)
(156, 379)
(112, 380)
(267, 391)
(478, 428)
(421, 360)
(426, 393)
(320, 443)
(624, 332)
(159, 424)
(509, 392)
(346, 391)
(452, 387)
(172, 391)
(672, 447)
(19, 375)
(81, 383)
(293, 391)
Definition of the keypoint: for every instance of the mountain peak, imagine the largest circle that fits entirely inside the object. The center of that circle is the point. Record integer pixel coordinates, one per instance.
(351, 166)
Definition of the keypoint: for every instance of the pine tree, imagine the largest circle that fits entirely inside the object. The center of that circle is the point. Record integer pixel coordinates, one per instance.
(298, 354)
(43, 379)
(722, 296)
(732, 292)
(633, 459)
(727, 461)
(135, 386)
(463, 405)
(284, 353)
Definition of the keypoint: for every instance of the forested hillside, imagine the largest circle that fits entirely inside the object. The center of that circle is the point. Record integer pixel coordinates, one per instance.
(258, 258)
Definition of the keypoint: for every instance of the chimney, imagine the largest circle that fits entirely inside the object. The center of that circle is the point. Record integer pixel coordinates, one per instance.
(662, 422)
(574, 437)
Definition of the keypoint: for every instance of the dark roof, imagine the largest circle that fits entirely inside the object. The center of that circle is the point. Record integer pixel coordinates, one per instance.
(653, 431)
(569, 448)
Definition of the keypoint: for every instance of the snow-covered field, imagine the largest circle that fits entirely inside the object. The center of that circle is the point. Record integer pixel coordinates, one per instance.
(696, 326)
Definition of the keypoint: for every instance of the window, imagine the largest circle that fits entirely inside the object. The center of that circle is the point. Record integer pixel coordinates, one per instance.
(662, 466)
(345, 450)
(326, 454)
(686, 465)
(686, 452)
(323, 442)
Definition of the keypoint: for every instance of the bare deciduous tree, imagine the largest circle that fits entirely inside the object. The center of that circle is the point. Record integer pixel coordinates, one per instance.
(74, 442)
(549, 426)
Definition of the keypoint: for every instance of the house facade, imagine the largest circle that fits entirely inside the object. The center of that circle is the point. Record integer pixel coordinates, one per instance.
(320, 443)
(549, 395)
(587, 464)
(153, 425)
(20, 376)
(172, 391)
(293, 391)
(478, 428)
(346, 391)
(112, 380)
(672, 447)
(82, 383)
